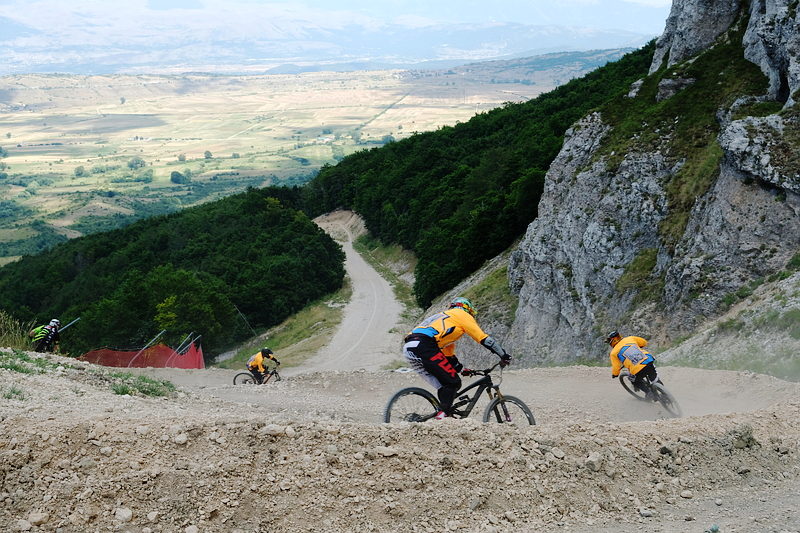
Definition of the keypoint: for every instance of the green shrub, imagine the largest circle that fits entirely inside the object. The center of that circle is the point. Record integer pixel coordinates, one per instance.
(794, 263)
(13, 393)
(130, 384)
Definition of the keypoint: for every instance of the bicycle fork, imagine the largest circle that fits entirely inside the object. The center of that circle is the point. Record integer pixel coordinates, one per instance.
(501, 404)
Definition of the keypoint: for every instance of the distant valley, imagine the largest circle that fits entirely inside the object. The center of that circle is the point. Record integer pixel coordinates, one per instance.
(89, 153)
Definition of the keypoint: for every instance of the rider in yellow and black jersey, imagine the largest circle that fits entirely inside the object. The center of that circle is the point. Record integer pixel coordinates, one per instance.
(630, 352)
(256, 364)
(430, 349)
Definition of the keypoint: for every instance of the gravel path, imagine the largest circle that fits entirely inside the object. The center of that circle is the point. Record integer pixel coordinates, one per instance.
(309, 453)
(366, 337)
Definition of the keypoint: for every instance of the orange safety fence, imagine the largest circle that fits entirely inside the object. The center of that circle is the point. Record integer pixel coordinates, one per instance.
(158, 356)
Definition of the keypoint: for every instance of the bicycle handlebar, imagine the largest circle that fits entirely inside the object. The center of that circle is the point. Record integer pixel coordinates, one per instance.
(484, 372)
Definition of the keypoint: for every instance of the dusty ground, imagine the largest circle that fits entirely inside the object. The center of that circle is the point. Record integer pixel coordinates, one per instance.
(309, 453)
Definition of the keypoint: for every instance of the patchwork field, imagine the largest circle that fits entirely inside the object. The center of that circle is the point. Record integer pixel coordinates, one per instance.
(89, 153)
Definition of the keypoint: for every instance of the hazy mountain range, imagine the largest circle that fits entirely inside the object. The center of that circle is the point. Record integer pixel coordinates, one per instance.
(179, 45)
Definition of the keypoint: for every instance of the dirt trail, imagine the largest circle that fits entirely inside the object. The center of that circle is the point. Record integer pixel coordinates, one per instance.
(310, 453)
(75, 457)
(366, 337)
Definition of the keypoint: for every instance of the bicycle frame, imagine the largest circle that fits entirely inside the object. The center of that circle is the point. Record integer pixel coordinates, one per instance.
(483, 384)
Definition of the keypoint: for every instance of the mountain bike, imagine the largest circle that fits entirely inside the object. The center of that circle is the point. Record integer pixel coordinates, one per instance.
(246, 378)
(658, 393)
(415, 404)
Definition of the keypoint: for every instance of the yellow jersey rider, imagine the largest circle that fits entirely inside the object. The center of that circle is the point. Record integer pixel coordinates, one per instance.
(256, 364)
(430, 349)
(629, 352)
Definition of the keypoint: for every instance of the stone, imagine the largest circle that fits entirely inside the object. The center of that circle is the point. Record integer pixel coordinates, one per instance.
(687, 494)
(38, 518)
(273, 429)
(594, 462)
(386, 451)
(669, 87)
(123, 514)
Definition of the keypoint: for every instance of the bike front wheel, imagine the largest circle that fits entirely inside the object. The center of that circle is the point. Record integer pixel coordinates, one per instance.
(243, 378)
(627, 383)
(667, 400)
(508, 410)
(412, 404)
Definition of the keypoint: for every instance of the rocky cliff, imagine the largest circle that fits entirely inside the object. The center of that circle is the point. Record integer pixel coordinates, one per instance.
(661, 207)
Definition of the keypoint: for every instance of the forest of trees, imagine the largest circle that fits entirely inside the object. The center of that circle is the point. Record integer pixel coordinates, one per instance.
(460, 195)
(456, 197)
(189, 271)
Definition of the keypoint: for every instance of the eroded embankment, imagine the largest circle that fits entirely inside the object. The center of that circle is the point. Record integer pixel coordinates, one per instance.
(76, 457)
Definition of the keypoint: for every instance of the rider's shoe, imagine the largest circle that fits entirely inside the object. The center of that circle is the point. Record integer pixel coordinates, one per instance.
(441, 415)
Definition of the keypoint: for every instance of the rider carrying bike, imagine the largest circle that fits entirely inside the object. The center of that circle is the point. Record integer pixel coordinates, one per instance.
(430, 349)
(630, 353)
(256, 364)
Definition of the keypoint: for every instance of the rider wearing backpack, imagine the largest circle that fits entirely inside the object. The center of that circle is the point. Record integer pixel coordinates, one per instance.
(630, 353)
(46, 337)
(256, 364)
(430, 349)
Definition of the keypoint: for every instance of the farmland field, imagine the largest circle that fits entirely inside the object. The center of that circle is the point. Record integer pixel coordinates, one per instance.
(90, 153)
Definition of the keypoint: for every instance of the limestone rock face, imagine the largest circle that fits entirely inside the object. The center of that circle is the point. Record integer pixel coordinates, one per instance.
(771, 41)
(591, 224)
(692, 26)
(595, 225)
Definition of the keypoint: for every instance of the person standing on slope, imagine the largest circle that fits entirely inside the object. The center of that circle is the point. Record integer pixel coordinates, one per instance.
(46, 337)
(256, 364)
(629, 352)
(430, 349)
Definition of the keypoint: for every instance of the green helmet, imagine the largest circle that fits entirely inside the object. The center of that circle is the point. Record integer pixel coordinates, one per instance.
(464, 304)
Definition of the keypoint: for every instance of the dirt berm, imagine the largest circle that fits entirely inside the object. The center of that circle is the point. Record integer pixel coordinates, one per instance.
(309, 454)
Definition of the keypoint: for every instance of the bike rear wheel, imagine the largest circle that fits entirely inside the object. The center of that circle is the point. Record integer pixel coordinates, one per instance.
(243, 378)
(509, 410)
(627, 383)
(667, 400)
(412, 404)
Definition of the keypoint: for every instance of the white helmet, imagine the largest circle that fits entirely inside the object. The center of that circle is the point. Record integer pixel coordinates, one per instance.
(55, 322)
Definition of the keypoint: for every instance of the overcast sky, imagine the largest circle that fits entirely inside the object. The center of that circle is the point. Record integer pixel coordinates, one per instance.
(641, 16)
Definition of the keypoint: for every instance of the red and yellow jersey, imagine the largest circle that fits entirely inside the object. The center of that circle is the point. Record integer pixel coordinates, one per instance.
(629, 353)
(256, 362)
(448, 326)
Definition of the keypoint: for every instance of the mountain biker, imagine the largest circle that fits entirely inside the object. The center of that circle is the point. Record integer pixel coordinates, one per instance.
(256, 364)
(46, 337)
(630, 353)
(430, 349)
